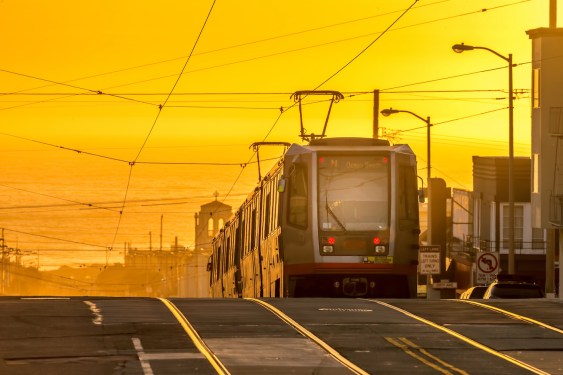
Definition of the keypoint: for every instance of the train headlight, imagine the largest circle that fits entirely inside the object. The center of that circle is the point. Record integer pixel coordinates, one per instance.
(380, 250)
(327, 249)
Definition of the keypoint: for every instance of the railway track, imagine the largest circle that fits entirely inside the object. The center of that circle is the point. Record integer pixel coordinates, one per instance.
(269, 336)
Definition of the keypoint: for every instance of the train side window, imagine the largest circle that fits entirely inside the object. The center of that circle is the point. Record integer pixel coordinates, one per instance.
(267, 214)
(407, 194)
(298, 196)
(218, 263)
(227, 256)
(243, 235)
(253, 229)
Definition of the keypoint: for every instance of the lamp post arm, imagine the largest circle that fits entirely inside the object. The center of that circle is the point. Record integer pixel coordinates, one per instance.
(495, 52)
(426, 120)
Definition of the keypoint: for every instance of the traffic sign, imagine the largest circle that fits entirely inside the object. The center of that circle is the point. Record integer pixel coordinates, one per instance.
(487, 265)
(429, 260)
(445, 284)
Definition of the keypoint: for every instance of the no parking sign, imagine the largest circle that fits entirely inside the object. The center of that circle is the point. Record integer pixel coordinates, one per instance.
(487, 265)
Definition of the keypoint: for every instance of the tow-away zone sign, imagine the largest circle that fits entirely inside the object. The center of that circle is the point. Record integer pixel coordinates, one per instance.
(487, 265)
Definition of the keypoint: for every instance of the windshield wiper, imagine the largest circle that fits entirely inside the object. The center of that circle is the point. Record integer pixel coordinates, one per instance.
(331, 213)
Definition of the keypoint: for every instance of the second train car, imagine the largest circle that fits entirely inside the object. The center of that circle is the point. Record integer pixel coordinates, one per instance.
(337, 217)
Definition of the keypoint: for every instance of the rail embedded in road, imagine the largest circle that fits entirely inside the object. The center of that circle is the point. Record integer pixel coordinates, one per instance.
(197, 340)
(466, 339)
(513, 315)
(333, 353)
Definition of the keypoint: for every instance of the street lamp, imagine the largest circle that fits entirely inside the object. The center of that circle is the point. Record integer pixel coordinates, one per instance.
(459, 48)
(390, 111)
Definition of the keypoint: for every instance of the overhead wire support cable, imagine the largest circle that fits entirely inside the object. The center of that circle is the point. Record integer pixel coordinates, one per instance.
(160, 107)
(53, 238)
(259, 41)
(318, 45)
(452, 120)
(97, 92)
(367, 47)
(176, 82)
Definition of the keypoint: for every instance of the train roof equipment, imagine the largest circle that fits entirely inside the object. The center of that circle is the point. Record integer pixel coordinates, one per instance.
(298, 97)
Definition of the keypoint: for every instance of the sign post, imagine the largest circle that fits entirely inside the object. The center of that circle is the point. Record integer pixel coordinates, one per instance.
(429, 264)
(429, 260)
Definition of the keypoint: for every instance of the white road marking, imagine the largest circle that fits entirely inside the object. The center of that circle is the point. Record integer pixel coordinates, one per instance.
(45, 298)
(145, 365)
(171, 356)
(98, 317)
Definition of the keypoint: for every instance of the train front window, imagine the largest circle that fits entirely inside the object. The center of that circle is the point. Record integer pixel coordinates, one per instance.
(353, 192)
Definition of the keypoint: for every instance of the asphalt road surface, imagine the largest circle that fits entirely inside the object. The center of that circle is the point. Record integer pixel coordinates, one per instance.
(147, 336)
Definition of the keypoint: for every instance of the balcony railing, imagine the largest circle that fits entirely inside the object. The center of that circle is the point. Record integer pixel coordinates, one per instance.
(472, 244)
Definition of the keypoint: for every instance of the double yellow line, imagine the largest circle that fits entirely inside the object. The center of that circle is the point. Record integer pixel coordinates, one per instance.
(424, 356)
(465, 339)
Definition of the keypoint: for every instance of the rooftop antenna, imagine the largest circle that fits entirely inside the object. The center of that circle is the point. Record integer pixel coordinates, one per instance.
(256, 147)
(298, 96)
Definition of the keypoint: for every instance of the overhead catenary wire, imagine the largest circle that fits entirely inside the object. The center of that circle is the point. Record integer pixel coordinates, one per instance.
(53, 83)
(283, 110)
(54, 238)
(138, 162)
(152, 128)
(102, 91)
(482, 10)
(366, 48)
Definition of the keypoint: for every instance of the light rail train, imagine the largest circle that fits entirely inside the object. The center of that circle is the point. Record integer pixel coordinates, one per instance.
(337, 217)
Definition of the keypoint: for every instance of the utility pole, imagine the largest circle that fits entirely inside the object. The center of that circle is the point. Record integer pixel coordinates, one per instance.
(3, 255)
(553, 14)
(375, 114)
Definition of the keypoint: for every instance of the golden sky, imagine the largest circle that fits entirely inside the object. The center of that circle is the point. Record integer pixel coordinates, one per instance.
(199, 81)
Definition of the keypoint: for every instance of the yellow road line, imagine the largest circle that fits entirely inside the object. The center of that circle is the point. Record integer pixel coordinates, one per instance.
(196, 338)
(465, 339)
(512, 315)
(428, 354)
(302, 330)
(407, 350)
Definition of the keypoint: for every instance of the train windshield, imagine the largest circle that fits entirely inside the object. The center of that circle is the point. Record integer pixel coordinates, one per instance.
(353, 192)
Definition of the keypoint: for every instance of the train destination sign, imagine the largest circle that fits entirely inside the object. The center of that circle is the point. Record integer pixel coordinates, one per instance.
(429, 260)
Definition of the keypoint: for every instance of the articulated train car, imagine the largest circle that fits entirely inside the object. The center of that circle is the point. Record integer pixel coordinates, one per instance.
(336, 217)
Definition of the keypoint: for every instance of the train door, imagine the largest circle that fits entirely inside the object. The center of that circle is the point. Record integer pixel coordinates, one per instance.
(238, 258)
(295, 216)
(251, 272)
(407, 228)
(269, 242)
(217, 283)
(255, 245)
(247, 267)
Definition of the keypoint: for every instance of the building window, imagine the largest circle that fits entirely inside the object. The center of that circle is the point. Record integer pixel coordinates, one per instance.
(538, 239)
(518, 226)
(220, 224)
(210, 227)
(535, 173)
(556, 120)
(536, 88)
